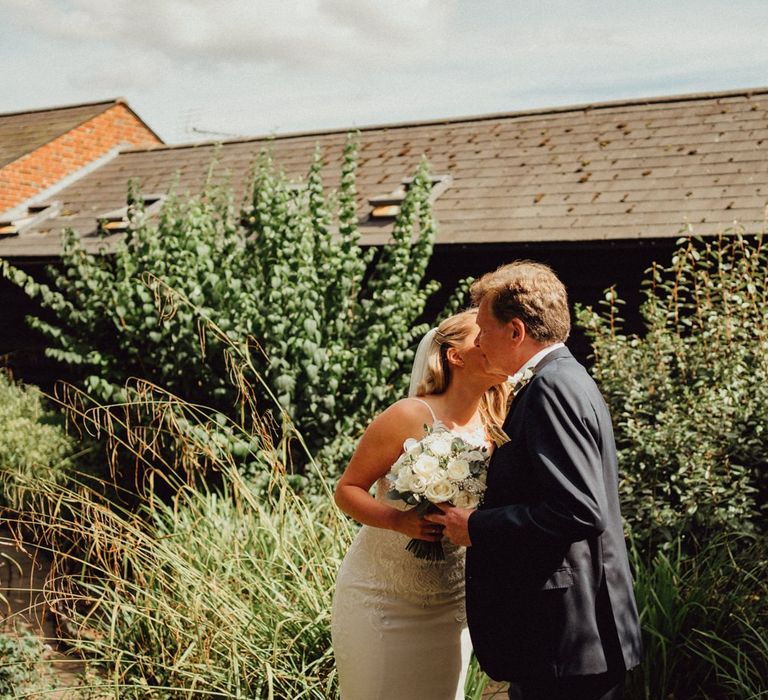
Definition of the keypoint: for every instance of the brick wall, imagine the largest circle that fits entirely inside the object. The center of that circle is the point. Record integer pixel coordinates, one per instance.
(44, 167)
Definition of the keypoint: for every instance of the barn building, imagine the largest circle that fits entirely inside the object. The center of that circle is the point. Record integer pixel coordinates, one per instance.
(599, 191)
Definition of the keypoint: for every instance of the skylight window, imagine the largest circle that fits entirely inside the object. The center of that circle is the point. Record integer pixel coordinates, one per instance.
(7, 229)
(116, 221)
(36, 214)
(386, 207)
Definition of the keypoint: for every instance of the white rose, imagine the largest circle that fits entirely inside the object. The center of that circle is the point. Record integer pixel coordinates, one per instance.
(426, 466)
(412, 446)
(404, 480)
(441, 446)
(419, 484)
(458, 469)
(397, 467)
(465, 499)
(408, 482)
(440, 491)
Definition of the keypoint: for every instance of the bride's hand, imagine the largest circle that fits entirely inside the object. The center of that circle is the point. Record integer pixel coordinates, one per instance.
(409, 523)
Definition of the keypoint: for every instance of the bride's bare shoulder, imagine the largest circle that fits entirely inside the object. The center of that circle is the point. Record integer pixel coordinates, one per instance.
(410, 408)
(407, 417)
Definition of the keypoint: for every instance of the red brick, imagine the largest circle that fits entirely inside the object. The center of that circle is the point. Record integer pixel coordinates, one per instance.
(44, 167)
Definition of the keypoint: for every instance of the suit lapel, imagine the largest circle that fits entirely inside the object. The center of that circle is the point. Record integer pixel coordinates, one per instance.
(549, 357)
(558, 354)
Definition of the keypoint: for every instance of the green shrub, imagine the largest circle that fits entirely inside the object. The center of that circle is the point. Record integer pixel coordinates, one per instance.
(23, 671)
(32, 442)
(689, 397)
(332, 324)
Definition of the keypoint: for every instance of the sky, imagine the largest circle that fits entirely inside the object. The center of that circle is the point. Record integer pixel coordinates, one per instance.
(209, 69)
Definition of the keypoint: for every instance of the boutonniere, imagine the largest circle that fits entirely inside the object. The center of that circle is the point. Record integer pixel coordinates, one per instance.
(517, 381)
(522, 380)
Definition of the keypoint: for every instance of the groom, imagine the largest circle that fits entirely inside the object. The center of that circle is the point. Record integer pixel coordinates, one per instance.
(549, 593)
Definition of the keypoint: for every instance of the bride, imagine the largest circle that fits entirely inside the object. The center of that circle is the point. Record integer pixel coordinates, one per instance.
(398, 624)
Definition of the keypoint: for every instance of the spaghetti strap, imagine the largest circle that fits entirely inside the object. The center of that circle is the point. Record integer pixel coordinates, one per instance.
(429, 408)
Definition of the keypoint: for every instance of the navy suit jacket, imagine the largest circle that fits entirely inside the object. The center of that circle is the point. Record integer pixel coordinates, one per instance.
(549, 589)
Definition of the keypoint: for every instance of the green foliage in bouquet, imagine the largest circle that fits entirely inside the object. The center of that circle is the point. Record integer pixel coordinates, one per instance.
(333, 324)
(689, 397)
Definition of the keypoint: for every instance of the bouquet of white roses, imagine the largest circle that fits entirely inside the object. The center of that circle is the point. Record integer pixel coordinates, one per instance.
(439, 468)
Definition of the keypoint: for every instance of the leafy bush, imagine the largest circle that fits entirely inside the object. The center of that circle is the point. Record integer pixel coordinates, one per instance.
(32, 443)
(332, 324)
(23, 671)
(689, 397)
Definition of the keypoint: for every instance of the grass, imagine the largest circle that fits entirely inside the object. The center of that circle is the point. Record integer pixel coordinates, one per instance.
(704, 612)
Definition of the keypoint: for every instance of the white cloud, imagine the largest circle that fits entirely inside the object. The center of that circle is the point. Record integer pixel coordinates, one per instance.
(258, 66)
(124, 73)
(289, 32)
(611, 39)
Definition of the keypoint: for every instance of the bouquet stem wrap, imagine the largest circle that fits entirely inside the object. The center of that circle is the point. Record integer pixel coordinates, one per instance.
(425, 549)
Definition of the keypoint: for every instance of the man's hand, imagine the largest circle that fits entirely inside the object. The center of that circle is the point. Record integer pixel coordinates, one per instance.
(455, 523)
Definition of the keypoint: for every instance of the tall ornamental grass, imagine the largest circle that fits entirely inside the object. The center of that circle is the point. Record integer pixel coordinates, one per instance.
(704, 619)
(211, 592)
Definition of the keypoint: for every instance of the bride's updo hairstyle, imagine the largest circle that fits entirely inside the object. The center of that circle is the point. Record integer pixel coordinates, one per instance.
(437, 374)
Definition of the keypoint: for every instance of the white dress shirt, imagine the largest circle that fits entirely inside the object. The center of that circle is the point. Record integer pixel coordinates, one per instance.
(533, 361)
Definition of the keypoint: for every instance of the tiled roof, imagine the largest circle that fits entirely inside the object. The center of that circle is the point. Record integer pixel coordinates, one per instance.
(619, 170)
(23, 132)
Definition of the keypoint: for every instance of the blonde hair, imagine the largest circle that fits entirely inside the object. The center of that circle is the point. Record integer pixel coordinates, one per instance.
(529, 291)
(437, 375)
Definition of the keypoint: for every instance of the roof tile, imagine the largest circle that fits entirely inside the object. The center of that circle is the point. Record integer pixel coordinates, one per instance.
(23, 132)
(637, 169)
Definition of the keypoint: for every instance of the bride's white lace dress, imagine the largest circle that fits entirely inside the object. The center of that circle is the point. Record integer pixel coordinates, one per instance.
(398, 623)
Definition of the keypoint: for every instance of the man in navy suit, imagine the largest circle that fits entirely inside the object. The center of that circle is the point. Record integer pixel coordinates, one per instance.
(550, 603)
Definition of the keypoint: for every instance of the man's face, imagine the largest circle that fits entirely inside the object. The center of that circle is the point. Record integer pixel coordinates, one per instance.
(496, 341)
